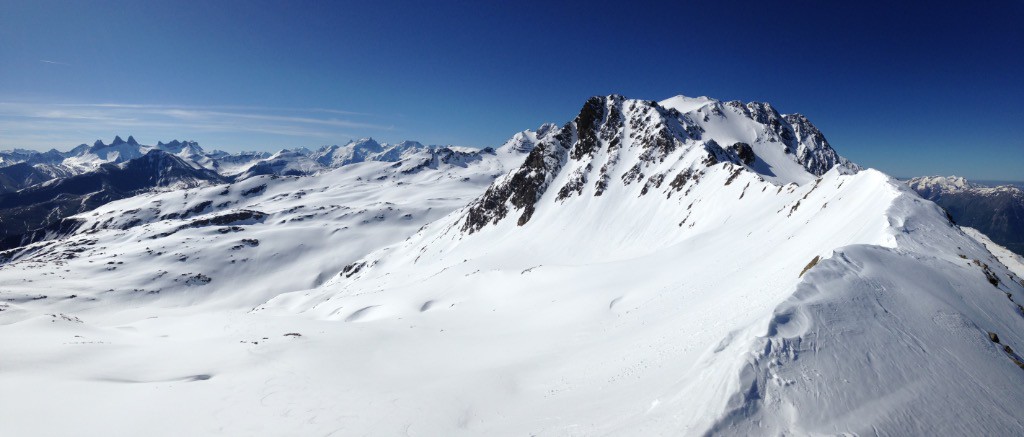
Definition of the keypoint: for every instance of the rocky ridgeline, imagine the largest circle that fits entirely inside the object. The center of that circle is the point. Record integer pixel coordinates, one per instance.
(613, 131)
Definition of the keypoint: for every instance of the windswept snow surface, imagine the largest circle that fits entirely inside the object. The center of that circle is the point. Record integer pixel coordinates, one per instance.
(632, 276)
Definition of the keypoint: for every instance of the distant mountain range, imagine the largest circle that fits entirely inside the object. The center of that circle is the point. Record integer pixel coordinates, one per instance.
(996, 211)
(40, 206)
(38, 190)
(234, 166)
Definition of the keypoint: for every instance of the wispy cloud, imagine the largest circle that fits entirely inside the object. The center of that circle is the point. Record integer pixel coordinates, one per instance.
(243, 108)
(34, 124)
(45, 61)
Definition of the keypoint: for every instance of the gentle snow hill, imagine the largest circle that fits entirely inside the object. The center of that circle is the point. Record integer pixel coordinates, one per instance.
(686, 268)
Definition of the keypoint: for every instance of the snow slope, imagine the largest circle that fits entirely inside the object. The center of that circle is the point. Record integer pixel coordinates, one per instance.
(638, 272)
(686, 309)
(1011, 260)
(187, 264)
(261, 235)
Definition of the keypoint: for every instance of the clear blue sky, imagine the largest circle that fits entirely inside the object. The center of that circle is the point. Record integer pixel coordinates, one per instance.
(910, 89)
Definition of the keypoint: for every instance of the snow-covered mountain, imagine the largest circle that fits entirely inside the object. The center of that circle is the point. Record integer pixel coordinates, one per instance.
(997, 211)
(356, 151)
(935, 186)
(241, 165)
(687, 267)
(79, 180)
(658, 282)
(116, 152)
(85, 158)
(29, 212)
(31, 157)
(267, 206)
(20, 175)
(233, 163)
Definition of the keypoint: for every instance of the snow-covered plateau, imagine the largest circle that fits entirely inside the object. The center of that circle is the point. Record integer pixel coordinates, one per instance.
(684, 267)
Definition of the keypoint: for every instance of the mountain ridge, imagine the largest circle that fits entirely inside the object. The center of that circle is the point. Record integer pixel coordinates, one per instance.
(686, 267)
(607, 124)
(84, 158)
(753, 267)
(37, 207)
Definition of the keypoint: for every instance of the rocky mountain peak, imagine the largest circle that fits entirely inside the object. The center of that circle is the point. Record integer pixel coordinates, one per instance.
(524, 142)
(933, 187)
(176, 146)
(616, 143)
(593, 146)
(408, 144)
(368, 144)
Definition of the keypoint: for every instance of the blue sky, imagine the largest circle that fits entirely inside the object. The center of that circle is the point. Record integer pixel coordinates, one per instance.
(926, 88)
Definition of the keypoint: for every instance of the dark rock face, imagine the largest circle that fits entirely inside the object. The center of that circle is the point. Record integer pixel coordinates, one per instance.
(58, 229)
(575, 184)
(233, 219)
(259, 189)
(744, 152)
(795, 131)
(522, 188)
(812, 149)
(587, 128)
(716, 154)
(653, 182)
(38, 207)
(602, 122)
(610, 129)
(161, 169)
